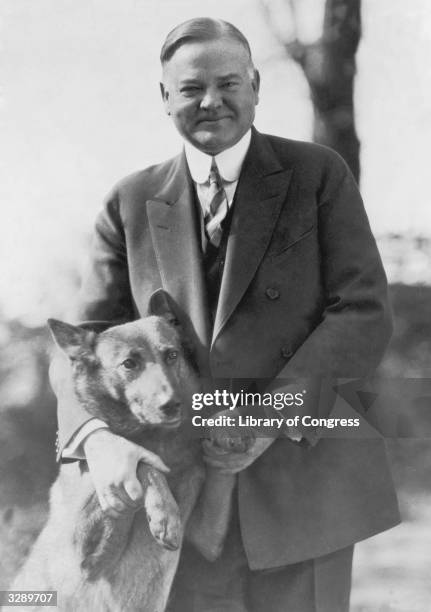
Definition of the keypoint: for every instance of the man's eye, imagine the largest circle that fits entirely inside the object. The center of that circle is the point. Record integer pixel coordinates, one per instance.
(189, 90)
(230, 84)
(171, 356)
(129, 364)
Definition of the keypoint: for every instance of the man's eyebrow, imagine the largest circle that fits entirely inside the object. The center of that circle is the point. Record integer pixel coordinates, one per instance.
(231, 75)
(196, 80)
(189, 80)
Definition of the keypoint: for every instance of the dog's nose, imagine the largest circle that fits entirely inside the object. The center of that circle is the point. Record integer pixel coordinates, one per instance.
(171, 408)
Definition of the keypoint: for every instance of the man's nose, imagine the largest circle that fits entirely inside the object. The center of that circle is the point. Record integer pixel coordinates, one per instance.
(212, 99)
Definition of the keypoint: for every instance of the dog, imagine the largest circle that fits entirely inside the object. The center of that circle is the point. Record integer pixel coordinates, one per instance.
(139, 378)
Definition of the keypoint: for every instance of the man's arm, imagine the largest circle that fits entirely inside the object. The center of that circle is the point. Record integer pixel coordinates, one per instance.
(74, 449)
(356, 322)
(74, 422)
(103, 300)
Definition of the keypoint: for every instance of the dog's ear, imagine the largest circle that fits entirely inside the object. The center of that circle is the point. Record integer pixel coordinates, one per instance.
(162, 305)
(75, 341)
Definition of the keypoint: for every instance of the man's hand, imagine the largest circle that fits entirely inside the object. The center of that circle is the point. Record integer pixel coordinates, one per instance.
(113, 461)
(233, 462)
(232, 449)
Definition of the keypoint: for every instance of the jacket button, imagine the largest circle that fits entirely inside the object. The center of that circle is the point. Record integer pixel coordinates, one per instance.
(286, 352)
(272, 294)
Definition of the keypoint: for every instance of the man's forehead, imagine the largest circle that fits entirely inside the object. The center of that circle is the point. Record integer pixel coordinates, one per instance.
(224, 53)
(195, 73)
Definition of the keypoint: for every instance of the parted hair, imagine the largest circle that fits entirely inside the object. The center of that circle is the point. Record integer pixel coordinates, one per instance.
(199, 30)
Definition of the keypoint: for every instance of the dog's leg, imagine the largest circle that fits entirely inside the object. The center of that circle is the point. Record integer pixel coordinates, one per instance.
(147, 567)
(209, 521)
(187, 490)
(162, 510)
(101, 539)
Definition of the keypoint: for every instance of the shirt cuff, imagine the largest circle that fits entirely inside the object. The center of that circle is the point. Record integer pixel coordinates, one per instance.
(74, 450)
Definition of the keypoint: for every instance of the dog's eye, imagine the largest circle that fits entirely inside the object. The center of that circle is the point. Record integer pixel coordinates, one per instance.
(171, 356)
(129, 364)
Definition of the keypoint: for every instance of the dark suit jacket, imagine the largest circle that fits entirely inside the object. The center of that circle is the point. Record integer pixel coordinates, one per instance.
(303, 294)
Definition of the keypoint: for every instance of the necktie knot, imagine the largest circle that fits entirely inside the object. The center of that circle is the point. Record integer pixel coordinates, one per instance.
(214, 176)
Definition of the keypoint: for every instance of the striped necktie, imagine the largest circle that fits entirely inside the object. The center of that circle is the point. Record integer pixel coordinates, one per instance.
(216, 206)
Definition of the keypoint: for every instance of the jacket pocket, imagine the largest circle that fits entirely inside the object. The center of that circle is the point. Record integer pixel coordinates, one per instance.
(293, 241)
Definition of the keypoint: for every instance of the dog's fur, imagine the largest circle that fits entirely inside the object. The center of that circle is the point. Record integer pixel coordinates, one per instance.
(139, 378)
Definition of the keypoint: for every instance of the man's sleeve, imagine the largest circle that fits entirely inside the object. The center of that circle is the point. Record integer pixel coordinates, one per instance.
(103, 300)
(355, 327)
(74, 449)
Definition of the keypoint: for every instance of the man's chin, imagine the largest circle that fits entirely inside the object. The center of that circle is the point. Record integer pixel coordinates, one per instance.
(212, 144)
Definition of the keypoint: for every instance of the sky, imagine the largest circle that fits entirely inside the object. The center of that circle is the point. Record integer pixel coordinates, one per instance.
(81, 109)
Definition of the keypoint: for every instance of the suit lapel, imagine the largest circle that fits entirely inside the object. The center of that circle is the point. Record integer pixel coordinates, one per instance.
(174, 233)
(261, 191)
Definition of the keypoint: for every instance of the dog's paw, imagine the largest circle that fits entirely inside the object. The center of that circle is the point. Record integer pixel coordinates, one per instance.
(164, 518)
(232, 440)
(166, 527)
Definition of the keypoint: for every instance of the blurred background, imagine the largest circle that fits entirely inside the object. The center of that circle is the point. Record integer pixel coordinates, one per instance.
(81, 108)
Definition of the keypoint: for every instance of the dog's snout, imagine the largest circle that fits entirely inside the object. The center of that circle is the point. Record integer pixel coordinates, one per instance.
(171, 408)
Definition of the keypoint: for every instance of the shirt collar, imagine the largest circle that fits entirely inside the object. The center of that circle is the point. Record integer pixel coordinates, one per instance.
(229, 162)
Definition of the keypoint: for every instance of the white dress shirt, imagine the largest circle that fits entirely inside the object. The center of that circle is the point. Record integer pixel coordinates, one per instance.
(229, 164)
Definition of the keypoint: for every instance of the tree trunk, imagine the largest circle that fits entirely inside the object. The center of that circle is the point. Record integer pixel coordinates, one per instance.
(329, 66)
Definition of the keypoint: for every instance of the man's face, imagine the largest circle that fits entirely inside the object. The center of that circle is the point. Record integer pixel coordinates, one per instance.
(210, 90)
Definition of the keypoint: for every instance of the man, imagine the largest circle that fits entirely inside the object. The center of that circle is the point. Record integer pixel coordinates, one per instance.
(265, 248)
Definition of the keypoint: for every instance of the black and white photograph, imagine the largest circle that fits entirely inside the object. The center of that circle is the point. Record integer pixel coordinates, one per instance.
(215, 298)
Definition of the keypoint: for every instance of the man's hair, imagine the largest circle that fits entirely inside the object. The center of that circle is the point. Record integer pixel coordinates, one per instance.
(200, 30)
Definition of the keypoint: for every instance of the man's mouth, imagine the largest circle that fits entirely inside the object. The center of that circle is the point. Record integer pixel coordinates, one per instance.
(212, 119)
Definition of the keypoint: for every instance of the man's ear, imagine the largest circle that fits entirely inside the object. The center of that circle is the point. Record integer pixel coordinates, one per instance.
(76, 342)
(256, 83)
(162, 305)
(165, 98)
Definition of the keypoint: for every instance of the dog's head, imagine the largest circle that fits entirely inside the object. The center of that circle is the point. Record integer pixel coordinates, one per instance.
(133, 376)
